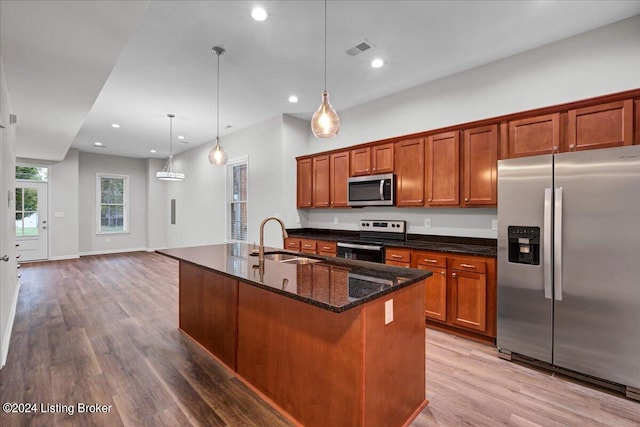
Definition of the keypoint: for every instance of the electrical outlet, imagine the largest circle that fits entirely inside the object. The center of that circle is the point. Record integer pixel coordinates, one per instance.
(335, 219)
(427, 222)
(388, 312)
(494, 224)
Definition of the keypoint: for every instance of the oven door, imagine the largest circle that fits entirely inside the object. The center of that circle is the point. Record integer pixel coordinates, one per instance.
(360, 251)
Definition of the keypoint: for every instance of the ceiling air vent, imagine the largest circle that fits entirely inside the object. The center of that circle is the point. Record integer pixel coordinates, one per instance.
(359, 48)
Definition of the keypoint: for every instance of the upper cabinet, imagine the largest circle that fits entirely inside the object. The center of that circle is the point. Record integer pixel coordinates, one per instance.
(601, 126)
(360, 161)
(339, 174)
(480, 166)
(321, 182)
(534, 135)
(409, 167)
(443, 169)
(382, 158)
(305, 183)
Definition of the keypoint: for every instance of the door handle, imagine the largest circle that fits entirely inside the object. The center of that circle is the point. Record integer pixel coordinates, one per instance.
(546, 254)
(557, 245)
(5, 258)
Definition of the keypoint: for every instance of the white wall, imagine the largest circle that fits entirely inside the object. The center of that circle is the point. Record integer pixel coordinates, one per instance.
(64, 200)
(598, 62)
(9, 285)
(157, 207)
(135, 239)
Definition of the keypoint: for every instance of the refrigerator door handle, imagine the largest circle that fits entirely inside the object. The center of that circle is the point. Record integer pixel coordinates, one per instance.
(546, 255)
(557, 245)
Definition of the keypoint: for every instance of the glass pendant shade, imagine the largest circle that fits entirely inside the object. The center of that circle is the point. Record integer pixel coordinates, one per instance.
(217, 156)
(325, 122)
(168, 173)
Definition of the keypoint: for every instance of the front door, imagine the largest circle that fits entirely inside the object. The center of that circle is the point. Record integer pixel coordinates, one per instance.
(31, 220)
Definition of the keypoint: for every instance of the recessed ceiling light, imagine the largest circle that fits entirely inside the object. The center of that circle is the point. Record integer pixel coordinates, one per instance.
(152, 151)
(98, 144)
(259, 14)
(180, 137)
(377, 63)
(293, 99)
(115, 125)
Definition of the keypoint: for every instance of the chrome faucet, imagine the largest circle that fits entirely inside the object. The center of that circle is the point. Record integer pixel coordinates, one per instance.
(284, 236)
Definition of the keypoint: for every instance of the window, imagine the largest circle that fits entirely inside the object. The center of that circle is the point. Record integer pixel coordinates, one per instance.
(112, 197)
(32, 173)
(26, 212)
(237, 196)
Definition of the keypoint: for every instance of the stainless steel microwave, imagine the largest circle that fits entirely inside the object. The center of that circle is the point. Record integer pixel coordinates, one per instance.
(372, 190)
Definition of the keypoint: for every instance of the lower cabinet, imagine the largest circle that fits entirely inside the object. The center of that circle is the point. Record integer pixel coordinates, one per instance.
(461, 295)
(398, 257)
(311, 246)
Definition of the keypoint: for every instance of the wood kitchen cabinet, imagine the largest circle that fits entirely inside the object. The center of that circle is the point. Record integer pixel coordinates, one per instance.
(326, 248)
(601, 126)
(292, 244)
(311, 246)
(435, 287)
(382, 158)
(338, 177)
(469, 294)
(360, 161)
(534, 135)
(308, 246)
(305, 183)
(480, 166)
(398, 257)
(409, 167)
(321, 182)
(443, 169)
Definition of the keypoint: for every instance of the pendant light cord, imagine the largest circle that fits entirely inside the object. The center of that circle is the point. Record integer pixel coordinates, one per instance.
(325, 45)
(170, 136)
(218, 101)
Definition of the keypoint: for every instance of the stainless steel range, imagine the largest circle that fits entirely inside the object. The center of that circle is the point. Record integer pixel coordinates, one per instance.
(374, 234)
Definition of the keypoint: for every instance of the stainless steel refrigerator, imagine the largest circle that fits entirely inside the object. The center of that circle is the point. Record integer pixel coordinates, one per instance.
(569, 263)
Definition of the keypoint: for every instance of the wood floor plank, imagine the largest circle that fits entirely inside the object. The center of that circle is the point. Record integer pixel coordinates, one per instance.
(103, 329)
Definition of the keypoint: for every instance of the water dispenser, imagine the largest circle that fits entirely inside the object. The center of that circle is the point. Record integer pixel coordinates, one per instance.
(524, 245)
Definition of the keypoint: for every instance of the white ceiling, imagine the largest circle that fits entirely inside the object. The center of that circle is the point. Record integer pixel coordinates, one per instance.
(74, 68)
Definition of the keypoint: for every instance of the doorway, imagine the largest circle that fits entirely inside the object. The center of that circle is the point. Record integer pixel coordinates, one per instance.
(31, 220)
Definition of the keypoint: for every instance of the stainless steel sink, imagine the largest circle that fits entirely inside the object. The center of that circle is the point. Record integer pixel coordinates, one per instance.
(289, 258)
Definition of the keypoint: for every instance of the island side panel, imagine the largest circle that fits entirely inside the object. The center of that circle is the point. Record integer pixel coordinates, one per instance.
(394, 358)
(208, 310)
(306, 359)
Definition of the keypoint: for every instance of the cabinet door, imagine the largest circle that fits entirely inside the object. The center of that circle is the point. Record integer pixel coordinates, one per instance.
(382, 158)
(480, 166)
(534, 135)
(469, 299)
(305, 183)
(396, 256)
(339, 174)
(601, 126)
(409, 168)
(443, 169)
(360, 161)
(435, 293)
(321, 181)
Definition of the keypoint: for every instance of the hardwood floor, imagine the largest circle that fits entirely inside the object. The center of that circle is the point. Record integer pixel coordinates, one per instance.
(103, 329)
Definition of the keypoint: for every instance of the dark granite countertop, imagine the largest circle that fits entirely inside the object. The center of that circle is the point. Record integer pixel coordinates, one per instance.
(331, 283)
(446, 244)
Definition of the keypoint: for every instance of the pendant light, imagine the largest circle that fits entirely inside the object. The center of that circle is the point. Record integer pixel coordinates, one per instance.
(217, 156)
(167, 173)
(325, 122)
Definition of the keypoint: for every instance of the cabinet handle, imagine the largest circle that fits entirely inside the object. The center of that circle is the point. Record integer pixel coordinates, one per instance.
(466, 199)
(432, 261)
(454, 275)
(571, 146)
(468, 266)
(555, 148)
(326, 248)
(307, 246)
(430, 200)
(396, 256)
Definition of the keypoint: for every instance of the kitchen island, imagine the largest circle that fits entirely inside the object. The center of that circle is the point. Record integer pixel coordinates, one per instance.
(328, 341)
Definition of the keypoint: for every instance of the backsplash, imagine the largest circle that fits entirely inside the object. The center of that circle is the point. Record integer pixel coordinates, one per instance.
(442, 222)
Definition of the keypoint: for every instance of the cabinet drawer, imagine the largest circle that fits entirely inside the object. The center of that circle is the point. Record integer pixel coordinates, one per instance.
(461, 264)
(398, 255)
(329, 247)
(429, 259)
(292, 244)
(307, 245)
(398, 263)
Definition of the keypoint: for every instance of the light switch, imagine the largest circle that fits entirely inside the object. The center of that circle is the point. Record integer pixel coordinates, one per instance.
(494, 224)
(58, 214)
(388, 312)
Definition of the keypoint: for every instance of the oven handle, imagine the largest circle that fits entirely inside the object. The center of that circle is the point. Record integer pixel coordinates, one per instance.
(356, 246)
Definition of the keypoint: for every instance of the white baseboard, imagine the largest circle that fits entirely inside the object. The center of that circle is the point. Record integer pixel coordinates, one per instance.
(114, 251)
(63, 257)
(4, 350)
(156, 249)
